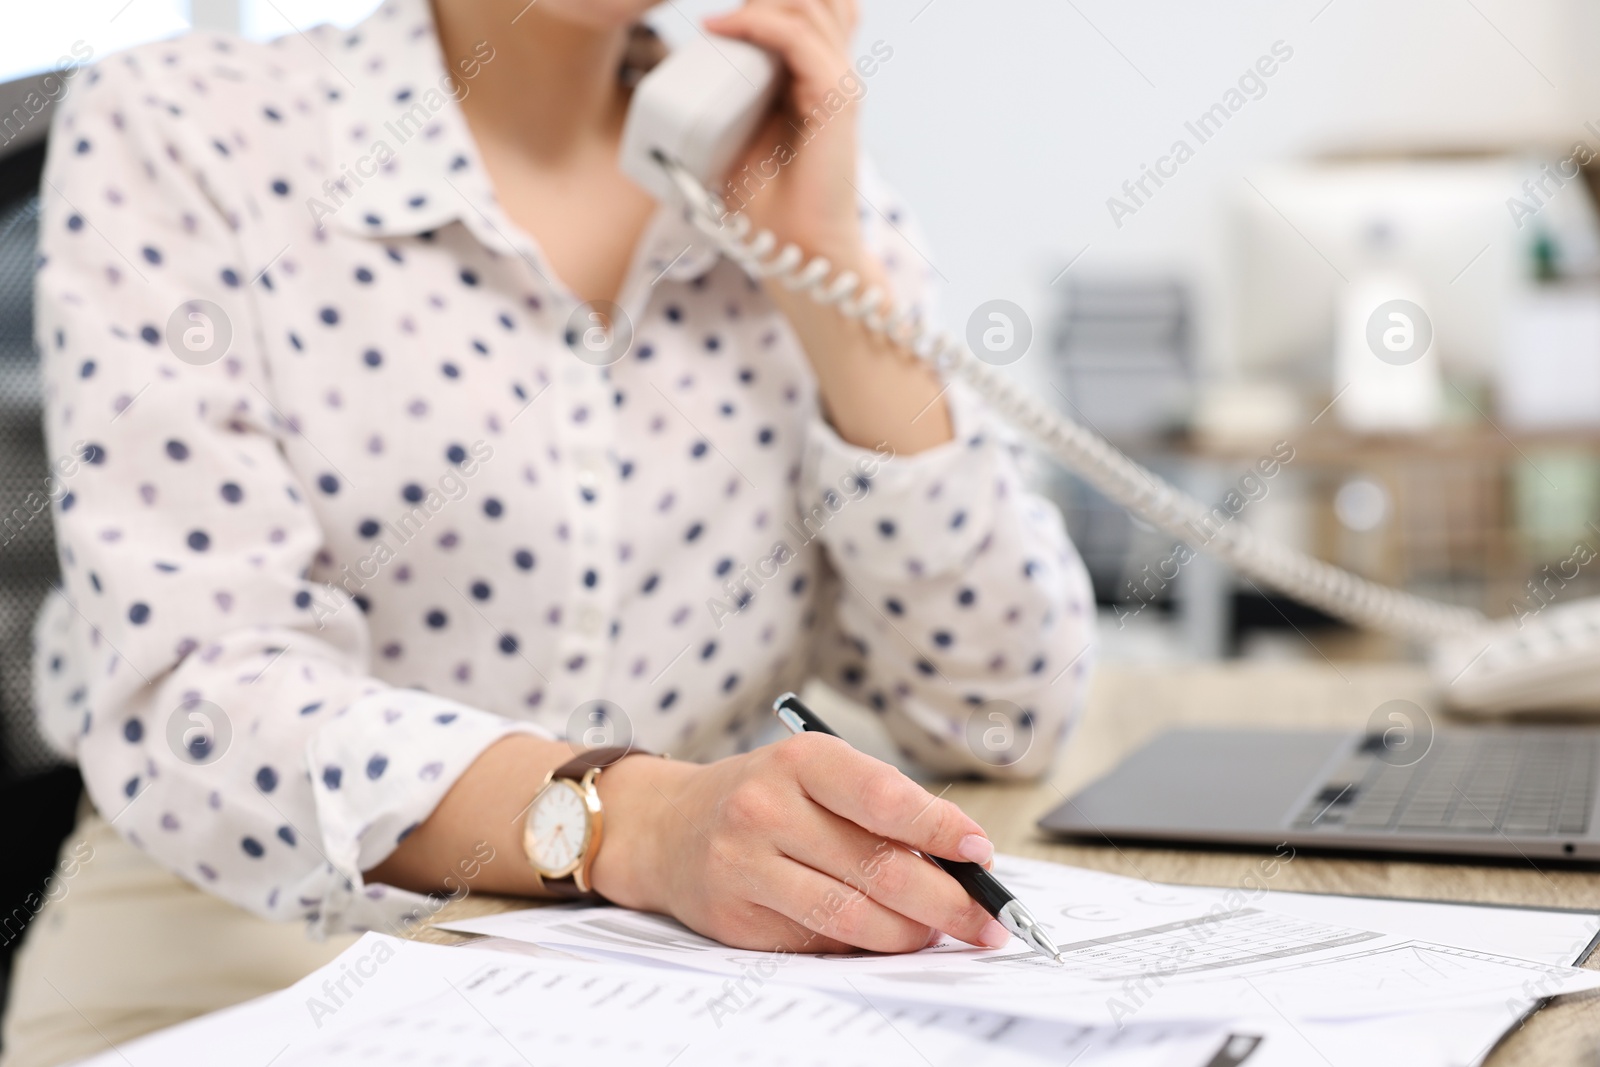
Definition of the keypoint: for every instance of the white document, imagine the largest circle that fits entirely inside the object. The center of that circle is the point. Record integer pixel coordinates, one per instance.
(389, 1001)
(1133, 952)
(538, 998)
(1540, 934)
(511, 1012)
(1444, 1039)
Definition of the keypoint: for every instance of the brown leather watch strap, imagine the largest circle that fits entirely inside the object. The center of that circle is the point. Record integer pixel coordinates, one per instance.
(567, 889)
(591, 758)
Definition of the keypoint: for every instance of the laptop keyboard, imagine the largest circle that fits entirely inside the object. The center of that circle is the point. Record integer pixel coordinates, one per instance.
(1520, 784)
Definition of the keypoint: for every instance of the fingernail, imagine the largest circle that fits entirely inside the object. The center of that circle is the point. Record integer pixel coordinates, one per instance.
(994, 935)
(976, 848)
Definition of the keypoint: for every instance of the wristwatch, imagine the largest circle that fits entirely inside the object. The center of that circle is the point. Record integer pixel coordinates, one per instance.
(562, 831)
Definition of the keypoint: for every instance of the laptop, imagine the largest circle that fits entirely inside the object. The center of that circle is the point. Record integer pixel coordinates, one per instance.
(1523, 792)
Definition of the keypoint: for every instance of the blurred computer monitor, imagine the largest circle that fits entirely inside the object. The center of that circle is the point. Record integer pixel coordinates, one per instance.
(1305, 233)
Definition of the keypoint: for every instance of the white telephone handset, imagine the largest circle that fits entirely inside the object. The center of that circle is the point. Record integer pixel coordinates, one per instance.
(693, 114)
(699, 108)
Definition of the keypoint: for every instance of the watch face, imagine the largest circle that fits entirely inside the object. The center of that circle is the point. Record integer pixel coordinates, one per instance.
(559, 829)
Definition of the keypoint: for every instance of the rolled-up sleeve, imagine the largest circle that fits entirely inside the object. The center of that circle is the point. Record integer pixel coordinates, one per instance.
(964, 615)
(230, 725)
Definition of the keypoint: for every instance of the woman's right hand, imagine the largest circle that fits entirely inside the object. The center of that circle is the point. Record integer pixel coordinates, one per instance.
(803, 845)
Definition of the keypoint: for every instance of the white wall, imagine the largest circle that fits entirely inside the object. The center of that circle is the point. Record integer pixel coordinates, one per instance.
(35, 36)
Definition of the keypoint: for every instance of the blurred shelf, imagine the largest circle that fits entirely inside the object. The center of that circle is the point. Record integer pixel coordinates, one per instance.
(1334, 445)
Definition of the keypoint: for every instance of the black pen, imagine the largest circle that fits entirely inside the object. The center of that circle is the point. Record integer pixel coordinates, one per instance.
(980, 885)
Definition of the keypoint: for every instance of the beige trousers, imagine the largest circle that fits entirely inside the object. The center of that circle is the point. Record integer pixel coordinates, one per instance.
(125, 947)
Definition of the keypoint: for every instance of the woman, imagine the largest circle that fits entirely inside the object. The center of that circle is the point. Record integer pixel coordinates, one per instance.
(356, 545)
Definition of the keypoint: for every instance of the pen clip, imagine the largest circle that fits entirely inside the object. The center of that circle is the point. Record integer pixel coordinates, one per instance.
(789, 718)
(796, 716)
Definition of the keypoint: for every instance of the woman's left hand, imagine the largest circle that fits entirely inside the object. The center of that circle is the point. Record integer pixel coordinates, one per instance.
(800, 181)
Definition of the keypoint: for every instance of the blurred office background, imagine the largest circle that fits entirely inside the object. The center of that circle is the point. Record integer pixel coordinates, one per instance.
(1338, 154)
(1226, 310)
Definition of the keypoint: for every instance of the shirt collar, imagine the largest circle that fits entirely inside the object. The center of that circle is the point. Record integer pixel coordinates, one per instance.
(405, 163)
(402, 159)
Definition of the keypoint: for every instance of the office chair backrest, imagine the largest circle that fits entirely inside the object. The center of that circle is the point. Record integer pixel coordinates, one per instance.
(27, 542)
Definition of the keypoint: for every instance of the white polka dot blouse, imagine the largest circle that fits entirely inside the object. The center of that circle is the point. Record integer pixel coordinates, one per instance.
(344, 494)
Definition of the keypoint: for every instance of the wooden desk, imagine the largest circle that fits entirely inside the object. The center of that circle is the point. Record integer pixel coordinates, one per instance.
(1128, 706)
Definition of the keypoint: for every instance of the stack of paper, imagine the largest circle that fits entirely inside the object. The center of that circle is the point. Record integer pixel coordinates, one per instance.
(1374, 981)
(1154, 975)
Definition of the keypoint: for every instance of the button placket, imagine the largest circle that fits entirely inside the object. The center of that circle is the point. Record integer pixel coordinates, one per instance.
(591, 487)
